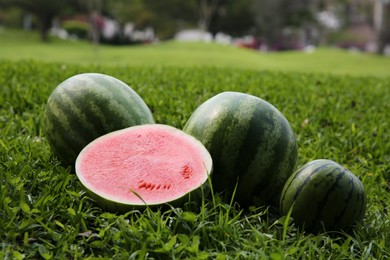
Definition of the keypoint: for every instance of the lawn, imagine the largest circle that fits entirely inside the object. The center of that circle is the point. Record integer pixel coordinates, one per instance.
(46, 213)
(16, 45)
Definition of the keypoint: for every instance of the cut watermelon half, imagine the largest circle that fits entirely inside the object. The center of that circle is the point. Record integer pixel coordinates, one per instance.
(146, 164)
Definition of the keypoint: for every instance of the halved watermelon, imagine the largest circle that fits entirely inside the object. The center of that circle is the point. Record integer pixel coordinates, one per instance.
(148, 164)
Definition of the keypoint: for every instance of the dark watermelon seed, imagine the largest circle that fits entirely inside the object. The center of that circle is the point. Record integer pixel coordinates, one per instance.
(186, 172)
(142, 184)
(152, 186)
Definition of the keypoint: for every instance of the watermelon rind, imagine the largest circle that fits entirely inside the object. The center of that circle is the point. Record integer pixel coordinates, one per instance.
(109, 201)
(86, 106)
(252, 145)
(324, 196)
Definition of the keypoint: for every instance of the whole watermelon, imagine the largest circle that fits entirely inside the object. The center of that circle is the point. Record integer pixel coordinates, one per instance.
(252, 145)
(87, 106)
(324, 196)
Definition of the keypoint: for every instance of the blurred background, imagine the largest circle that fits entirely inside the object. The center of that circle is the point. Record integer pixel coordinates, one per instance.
(266, 25)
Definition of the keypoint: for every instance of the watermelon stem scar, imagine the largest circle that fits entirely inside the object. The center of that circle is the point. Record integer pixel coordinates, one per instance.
(157, 163)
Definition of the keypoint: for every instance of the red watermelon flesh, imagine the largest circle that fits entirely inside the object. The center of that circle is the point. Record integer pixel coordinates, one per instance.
(150, 164)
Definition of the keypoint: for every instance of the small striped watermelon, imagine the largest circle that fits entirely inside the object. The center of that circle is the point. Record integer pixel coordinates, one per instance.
(146, 164)
(87, 106)
(324, 196)
(252, 145)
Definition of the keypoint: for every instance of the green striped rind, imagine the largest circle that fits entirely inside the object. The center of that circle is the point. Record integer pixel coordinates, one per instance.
(250, 141)
(324, 195)
(87, 106)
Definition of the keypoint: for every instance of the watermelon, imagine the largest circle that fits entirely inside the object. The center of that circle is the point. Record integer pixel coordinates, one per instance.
(86, 106)
(252, 144)
(323, 195)
(143, 165)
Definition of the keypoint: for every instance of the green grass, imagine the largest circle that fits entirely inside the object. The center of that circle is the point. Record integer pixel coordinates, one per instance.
(16, 45)
(45, 212)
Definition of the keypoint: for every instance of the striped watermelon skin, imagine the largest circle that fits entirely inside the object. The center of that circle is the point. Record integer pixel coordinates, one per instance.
(324, 196)
(87, 106)
(252, 145)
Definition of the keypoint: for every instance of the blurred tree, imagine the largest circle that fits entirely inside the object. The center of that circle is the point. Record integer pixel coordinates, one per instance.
(273, 16)
(12, 17)
(228, 16)
(384, 29)
(169, 16)
(44, 11)
(232, 17)
(166, 17)
(374, 13)
(94, 9)
(268, 19)
(207, 10)
(134, 11)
